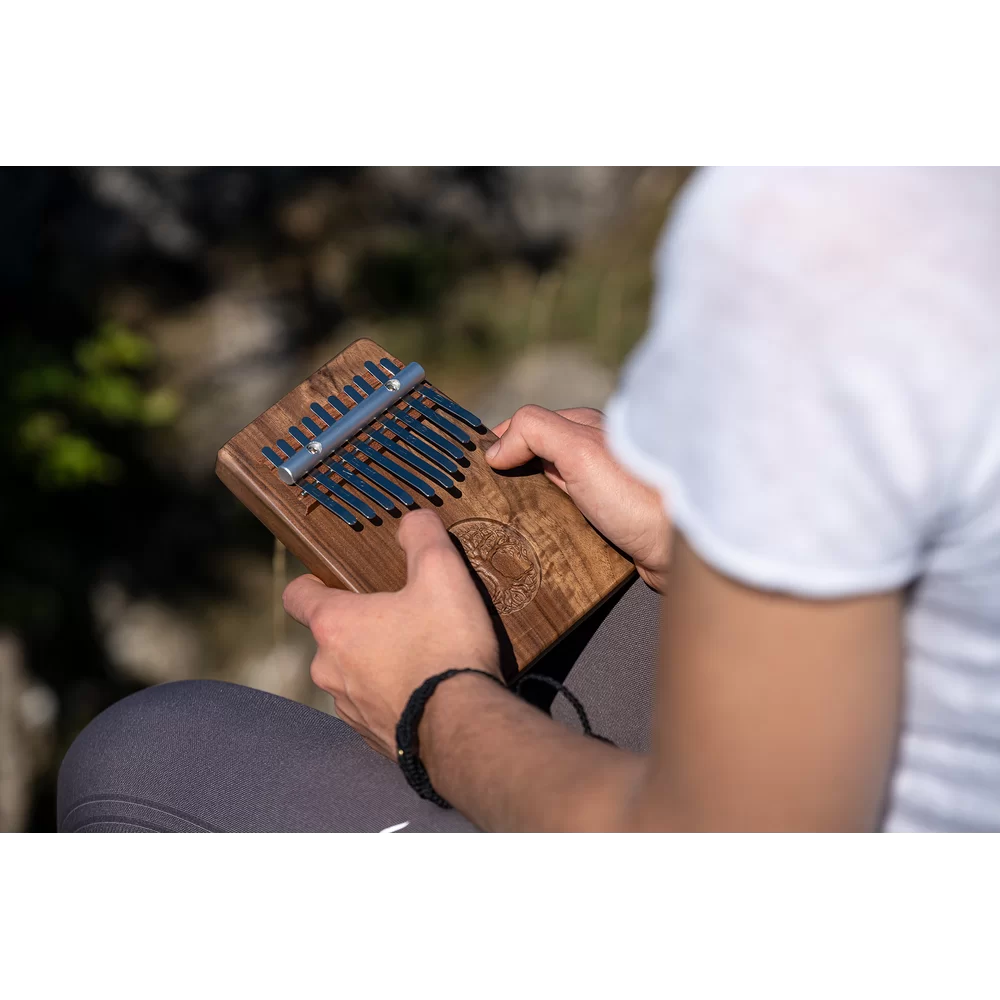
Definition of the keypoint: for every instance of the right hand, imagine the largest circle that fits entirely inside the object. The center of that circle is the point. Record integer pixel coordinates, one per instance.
(575, 456)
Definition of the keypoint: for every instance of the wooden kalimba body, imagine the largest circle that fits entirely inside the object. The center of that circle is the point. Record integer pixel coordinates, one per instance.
(332, 466)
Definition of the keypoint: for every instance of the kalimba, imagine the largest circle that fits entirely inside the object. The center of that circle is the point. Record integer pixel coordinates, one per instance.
(333, 465)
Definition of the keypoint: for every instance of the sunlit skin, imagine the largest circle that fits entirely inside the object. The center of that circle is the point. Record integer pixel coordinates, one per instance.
(771, 712)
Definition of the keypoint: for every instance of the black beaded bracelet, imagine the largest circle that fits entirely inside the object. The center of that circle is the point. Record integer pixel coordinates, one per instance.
(407, 752)
(407, 749)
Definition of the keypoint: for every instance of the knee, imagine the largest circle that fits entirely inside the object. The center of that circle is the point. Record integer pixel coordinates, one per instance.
(115, 754)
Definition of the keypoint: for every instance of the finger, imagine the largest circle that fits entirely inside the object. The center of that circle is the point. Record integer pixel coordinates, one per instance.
(306, 596)
(552, 474)
(430, 550)
(585, 415)
(535, 432)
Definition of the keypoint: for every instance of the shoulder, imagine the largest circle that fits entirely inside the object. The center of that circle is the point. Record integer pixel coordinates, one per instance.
(840, 222)
(841, 204)
(824, 346)
(881, 258)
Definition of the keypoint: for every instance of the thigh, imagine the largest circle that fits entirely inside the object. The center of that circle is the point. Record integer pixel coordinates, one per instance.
(206, 755)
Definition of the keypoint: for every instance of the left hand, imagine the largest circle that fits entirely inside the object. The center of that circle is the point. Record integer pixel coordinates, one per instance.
(374, 650)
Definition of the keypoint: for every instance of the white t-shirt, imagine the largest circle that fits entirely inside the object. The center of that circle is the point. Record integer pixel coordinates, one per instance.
(818, 400)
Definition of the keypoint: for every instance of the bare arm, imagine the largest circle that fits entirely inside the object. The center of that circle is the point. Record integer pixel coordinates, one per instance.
(771, 714)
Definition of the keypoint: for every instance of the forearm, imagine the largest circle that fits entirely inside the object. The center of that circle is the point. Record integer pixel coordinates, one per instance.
(508, 766)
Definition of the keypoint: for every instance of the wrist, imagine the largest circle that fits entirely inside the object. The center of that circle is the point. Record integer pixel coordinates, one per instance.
(456, 701)
(450, 701)
(409, 749)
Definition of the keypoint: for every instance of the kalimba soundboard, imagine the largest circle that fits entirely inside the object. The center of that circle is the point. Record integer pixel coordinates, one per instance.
(332, 466)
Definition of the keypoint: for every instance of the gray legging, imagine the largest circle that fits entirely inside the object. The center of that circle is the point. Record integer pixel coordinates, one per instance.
(206, 755)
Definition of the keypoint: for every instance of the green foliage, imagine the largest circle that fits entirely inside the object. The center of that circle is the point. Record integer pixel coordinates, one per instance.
(114, 347)
(66, 458)
(61, 407)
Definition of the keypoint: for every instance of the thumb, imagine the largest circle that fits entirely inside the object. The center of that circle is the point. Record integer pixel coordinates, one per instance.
(306, 596)
(532, 432)
(430, 551)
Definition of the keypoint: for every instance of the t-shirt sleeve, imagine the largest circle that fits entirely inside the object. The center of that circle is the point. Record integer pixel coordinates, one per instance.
(792, 399)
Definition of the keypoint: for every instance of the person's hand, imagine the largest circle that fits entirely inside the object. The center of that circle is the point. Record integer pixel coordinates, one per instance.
(575, 457)
(374, 650)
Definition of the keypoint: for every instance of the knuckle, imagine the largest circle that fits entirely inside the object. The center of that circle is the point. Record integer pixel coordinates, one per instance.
(530, 413)
(326, 627)
(288, 596)
(317, 674)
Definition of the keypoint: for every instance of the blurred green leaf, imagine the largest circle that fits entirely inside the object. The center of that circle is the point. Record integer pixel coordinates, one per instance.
(103, 388)
(115, 396)
(159, 407)
(39, 430)
(73, 460)
(114, 346)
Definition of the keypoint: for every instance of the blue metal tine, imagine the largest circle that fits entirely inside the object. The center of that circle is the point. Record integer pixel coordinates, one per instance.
(272, 456)
(424, 431)
(334, 463)
(407, 456)
(397, 449)
(402, 433)
(435, 397)
(387, 463)
(317, 494)
(334, 487)
(348, 459)
(337, 490)
(435, 416)
(400, 413)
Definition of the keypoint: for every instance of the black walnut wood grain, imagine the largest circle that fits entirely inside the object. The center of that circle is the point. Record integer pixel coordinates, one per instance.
(542, 565)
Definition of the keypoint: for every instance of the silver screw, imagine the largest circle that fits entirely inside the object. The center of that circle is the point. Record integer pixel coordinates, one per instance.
(314, 447)
(392, 385)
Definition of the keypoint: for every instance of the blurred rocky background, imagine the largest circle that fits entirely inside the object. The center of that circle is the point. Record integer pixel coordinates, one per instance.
(148, 314)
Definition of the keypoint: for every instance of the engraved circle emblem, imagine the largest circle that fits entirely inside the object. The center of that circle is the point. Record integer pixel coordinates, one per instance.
(504, 560)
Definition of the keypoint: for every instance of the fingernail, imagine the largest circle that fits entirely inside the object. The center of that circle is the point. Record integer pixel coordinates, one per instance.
(493, 450)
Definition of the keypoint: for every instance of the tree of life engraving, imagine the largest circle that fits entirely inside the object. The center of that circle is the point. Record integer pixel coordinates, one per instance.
(504, 560)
